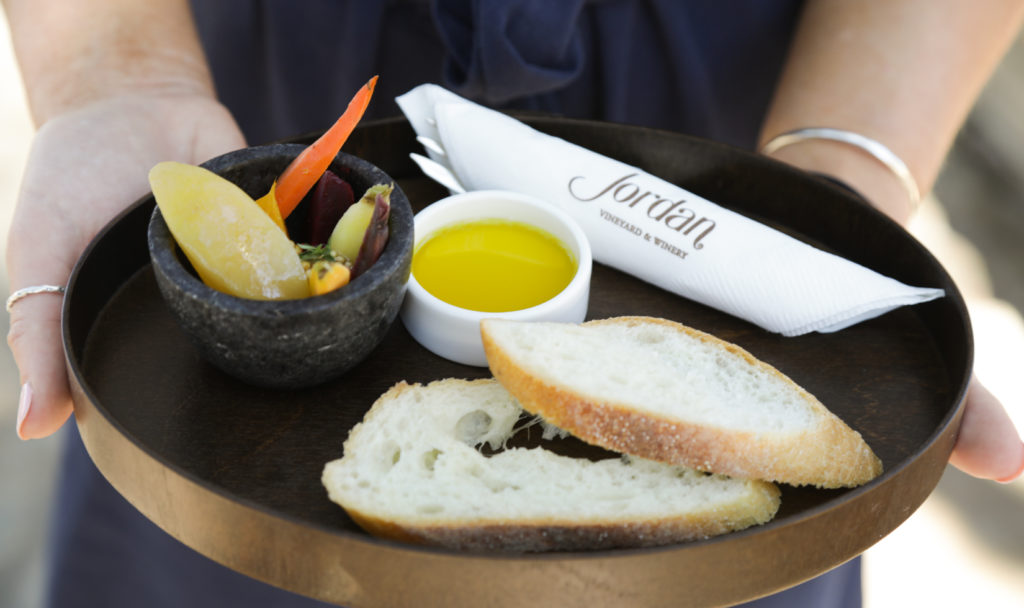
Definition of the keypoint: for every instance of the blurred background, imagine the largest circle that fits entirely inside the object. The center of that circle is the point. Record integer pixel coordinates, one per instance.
(964, 546)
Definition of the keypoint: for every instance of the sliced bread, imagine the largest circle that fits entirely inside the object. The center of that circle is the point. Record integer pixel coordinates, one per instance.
(413, 470)
(660, 390)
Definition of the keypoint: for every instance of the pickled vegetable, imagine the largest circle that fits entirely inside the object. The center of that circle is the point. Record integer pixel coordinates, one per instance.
(233, 245)
(375, 237)
(326, 276)
(329, 200)
(268, 203)
(348, 234)
(303, 172)
(242, 247)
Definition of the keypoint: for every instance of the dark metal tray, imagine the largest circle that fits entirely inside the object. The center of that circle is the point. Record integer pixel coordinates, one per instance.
(233, 471)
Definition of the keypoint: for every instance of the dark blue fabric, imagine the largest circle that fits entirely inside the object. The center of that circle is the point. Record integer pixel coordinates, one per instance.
(705, 68)
(105, 554)
(285, 68)
(499, 51)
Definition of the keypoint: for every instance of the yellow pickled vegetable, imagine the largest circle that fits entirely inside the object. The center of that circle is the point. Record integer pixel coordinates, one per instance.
(350, 230)
(233, 244)
(268, 203)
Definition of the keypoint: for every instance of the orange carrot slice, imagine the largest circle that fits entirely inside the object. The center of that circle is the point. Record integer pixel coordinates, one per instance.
(303, 172)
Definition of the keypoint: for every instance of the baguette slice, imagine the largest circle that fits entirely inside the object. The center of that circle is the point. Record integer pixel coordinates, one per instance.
(660, 390)
(411, 472)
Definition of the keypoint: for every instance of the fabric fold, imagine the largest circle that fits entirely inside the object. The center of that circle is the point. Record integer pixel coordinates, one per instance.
(499, 50)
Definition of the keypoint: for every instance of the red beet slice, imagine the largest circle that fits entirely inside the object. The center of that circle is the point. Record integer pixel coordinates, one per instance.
(330, 198)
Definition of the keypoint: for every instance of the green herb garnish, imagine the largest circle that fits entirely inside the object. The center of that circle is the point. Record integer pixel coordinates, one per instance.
(314, 253)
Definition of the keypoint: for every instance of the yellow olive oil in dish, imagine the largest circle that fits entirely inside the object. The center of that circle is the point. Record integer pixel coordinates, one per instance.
(493, 265)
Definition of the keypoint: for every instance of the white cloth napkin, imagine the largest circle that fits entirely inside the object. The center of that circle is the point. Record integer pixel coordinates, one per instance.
(654, 230)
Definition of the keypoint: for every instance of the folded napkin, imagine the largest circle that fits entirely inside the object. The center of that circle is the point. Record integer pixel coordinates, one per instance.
(654, 230)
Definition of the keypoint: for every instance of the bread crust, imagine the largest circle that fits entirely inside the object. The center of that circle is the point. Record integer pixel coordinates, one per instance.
(829, 455)
(523, 536)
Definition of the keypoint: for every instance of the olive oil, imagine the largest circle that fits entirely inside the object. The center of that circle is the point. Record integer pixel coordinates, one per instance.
(493, 265)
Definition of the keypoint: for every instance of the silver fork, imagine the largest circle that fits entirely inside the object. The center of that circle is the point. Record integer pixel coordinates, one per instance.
(438, 172)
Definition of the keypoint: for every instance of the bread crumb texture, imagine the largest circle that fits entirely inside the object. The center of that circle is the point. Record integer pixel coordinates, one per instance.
(414, 470)
(663, 391)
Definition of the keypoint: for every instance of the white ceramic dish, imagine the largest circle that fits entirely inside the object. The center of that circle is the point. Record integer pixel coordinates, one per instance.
(453, 332)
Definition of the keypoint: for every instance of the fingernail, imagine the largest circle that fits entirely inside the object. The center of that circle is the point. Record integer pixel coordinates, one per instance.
(1016, 475)
(24, 403)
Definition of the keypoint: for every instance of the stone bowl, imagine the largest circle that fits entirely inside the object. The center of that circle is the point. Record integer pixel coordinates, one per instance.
(287, 343)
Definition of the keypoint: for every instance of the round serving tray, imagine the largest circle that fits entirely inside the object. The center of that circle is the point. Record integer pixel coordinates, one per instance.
(233, 471)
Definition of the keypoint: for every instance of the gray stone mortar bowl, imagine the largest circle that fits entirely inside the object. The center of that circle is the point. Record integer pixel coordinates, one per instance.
(288, 343)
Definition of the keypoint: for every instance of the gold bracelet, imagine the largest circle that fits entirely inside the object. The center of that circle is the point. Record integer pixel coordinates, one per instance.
(875, 148)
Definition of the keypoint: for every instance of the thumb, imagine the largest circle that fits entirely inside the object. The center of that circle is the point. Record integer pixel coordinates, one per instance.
(35, 340)
(988, 445)
(35, 321)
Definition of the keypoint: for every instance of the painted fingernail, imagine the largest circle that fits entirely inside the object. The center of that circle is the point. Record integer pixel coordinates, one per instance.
(24, 403)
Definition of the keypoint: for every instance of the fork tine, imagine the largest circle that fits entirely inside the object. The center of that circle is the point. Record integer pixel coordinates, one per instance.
(431, 145)
(438, 172)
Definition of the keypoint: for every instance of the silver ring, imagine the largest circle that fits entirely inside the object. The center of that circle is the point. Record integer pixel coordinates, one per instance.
(32, 290)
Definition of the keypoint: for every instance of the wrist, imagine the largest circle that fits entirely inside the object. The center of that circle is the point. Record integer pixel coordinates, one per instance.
(855, 168)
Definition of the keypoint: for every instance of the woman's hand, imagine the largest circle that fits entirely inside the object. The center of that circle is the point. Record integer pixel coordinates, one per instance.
(86, 166)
